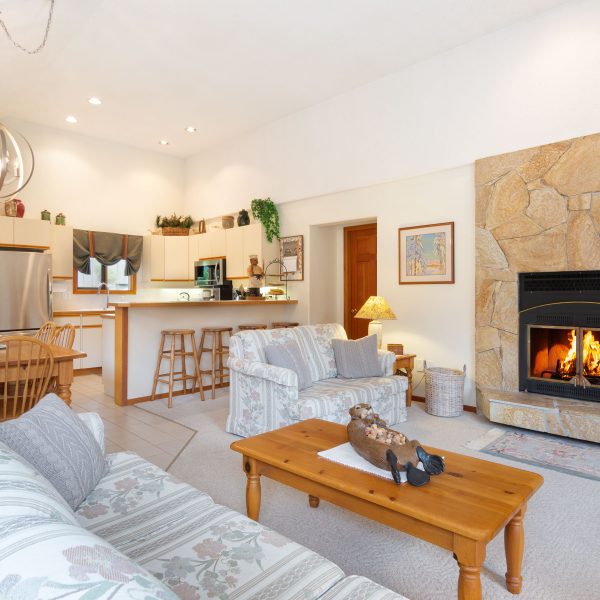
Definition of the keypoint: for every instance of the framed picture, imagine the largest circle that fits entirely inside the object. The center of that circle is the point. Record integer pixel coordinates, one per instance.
(291, 251)
(427, 253)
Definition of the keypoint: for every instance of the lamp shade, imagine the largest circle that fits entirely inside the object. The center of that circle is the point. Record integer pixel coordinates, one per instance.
(376, 308)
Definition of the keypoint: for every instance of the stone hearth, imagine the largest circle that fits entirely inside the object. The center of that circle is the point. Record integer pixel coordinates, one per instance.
(536, 210)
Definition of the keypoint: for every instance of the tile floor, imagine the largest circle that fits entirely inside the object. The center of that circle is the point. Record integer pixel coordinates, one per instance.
(157, 439)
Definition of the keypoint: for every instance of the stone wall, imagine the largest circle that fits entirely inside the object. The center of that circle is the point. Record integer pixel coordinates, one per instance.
(536, 210)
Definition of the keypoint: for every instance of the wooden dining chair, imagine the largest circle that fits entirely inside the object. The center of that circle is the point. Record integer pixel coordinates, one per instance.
(46, 332)
(64, 336)
(25, 370)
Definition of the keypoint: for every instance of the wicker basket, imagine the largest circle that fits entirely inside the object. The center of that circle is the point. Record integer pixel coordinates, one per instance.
(175, 231)
(444, 391)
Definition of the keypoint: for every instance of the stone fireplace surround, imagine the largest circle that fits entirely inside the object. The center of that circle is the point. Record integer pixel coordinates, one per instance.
(536, 210)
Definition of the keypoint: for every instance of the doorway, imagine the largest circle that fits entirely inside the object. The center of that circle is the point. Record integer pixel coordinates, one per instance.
(360, 275)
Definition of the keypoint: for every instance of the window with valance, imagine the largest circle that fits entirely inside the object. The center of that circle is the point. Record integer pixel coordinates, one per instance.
(105, 258)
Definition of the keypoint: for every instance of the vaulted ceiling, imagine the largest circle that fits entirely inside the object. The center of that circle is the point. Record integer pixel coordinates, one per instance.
(222, 66)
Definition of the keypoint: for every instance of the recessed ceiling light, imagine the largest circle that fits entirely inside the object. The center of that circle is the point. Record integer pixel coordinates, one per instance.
(191, 129)
(95, 101)
(71, 119)
(163, 142)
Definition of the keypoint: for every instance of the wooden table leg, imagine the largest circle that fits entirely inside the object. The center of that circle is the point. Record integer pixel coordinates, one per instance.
(64, 380)
(514, 543)
(470, 556)
(409, 391)
(252, 489)
(313, 501)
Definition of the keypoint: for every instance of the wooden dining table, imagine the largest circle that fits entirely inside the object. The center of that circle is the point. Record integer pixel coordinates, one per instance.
(62, 369)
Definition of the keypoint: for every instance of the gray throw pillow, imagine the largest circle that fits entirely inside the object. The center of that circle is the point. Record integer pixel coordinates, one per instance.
(357, 358)
(57, 444)
(288, 356)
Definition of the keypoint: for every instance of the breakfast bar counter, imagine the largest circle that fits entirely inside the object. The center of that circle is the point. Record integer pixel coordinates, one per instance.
(131, 340)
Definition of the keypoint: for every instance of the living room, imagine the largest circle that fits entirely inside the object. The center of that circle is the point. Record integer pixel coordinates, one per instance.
(398, 116)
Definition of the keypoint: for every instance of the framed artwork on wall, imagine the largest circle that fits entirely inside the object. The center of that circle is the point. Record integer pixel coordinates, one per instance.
(426, 253)
(291, 253)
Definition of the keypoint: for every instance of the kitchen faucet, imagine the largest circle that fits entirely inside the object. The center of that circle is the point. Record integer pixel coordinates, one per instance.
(107, 292)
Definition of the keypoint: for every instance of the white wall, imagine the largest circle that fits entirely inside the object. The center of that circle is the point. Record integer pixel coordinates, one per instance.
(436, 322)
(97, 184)
(535, 82)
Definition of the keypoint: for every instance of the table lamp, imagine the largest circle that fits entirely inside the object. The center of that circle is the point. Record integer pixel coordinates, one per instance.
(377, 309)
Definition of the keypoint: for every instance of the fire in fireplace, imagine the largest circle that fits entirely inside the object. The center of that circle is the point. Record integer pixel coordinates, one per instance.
(559, 334)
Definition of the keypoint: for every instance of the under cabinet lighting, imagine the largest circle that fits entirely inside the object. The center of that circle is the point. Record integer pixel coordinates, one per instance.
(95, 101)
(71, 119)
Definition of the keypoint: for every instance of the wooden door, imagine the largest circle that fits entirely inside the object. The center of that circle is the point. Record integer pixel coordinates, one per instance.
(360, 275)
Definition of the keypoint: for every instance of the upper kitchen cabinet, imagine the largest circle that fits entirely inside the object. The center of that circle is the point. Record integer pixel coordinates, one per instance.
(7, 235)
(153, 261)
(61, 248)
(31, 233)
(176, 258)
(241, 242)
(25, 233)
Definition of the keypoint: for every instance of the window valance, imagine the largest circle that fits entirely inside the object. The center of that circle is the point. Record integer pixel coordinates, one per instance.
(106, 248)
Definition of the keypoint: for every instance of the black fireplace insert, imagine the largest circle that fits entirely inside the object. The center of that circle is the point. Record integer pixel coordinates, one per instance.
(559, 334)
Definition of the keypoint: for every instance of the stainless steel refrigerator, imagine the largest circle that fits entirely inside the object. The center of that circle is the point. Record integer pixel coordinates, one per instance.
(25, 291)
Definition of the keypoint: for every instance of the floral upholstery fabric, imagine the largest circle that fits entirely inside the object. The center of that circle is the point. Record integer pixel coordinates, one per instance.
(196, 547)
(45, 559)
(263, 397)
(360, 588)
(136, 490)
(332, 398)
(25, 492)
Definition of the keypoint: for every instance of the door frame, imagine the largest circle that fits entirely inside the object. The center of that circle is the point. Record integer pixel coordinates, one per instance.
(347, 231)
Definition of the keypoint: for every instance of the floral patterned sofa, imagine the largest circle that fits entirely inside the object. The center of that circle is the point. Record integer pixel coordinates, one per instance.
(143, 535)
(264, 397)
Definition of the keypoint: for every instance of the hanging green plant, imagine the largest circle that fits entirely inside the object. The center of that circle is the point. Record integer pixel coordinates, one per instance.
(266, 212)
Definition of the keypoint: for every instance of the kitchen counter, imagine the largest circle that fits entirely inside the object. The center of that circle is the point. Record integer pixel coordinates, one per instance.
(86, 312)
(131, 340)
(204, 303)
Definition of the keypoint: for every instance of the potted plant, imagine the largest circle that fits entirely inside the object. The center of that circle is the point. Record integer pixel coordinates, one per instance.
(174, 225)
(266, 212)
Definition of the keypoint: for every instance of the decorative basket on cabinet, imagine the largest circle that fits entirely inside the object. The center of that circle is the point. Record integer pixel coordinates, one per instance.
(175, 231)
(444, 391)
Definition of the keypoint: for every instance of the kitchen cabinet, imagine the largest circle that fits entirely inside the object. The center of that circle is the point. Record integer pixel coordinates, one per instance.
(61, 248)
(153, 260)
(6, 230)
(91, 344)
(241, 242)
(88, 338)
(176, 258)
(32, 233)
(29, 233)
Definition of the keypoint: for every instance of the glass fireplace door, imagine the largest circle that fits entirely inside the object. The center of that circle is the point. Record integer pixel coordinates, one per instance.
(553, 353)
(590, 356)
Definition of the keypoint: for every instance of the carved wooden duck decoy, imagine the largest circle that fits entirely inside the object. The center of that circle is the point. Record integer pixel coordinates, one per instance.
(388, 449)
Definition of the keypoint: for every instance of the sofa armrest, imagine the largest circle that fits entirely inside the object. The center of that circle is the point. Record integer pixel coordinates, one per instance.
(278, 375)
(386, 361)
(94, 423)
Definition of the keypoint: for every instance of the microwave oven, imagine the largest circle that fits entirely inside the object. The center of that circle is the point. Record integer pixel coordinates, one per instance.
(209, 272)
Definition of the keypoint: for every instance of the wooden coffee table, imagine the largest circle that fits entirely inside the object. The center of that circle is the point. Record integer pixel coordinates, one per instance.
(461, 510)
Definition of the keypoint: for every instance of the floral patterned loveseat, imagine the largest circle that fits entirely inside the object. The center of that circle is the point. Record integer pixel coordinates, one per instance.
(263, 397)
(143, 535)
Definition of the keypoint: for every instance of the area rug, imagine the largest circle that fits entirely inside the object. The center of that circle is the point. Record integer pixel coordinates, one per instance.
(560, 454)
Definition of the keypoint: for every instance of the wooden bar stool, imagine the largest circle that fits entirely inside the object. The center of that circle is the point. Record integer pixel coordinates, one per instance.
(252, 327)
(284, 324)
(171, 353)
(217, 350)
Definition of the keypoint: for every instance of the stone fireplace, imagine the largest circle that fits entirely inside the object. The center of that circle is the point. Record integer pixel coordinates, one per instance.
(537, 214)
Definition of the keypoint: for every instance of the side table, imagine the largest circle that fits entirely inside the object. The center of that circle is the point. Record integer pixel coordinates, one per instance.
(404, 365)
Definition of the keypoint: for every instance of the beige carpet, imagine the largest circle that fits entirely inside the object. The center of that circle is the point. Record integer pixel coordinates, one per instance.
(562, 536)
